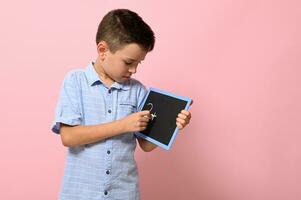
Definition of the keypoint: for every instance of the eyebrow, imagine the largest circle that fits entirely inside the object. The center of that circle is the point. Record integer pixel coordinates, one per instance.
(133, 60)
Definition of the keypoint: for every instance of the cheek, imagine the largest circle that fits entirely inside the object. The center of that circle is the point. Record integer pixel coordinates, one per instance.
(121, 67)
(118, 68)
(107, 64)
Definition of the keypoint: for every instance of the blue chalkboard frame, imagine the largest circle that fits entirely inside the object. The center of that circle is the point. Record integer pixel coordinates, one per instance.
(156, 142)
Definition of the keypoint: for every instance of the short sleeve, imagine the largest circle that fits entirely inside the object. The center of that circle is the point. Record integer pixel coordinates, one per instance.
(68, 110)
(141, 94)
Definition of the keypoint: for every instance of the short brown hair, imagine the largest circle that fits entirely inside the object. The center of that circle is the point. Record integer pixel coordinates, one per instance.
(121, 27)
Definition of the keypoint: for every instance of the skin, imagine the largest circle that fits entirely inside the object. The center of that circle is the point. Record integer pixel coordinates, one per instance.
(116, 67)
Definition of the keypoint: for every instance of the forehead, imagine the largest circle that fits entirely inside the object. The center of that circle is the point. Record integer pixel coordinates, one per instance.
(132, 51)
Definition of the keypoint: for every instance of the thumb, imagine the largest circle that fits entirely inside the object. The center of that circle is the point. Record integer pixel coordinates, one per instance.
(145, 112)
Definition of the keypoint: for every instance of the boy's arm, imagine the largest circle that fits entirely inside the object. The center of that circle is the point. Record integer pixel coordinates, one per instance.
(182, 120)
(146, 145)
(79, 135)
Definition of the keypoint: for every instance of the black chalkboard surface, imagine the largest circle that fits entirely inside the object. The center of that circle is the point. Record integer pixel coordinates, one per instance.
(164, 107)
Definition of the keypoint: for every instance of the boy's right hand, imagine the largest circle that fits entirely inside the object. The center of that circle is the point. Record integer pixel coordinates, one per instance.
(136, 121)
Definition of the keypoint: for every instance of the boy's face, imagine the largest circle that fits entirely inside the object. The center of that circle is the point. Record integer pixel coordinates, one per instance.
(120, 66)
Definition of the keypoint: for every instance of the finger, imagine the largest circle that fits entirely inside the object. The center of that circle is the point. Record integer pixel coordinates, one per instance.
(144, 112)
(179, 125)
(142, 128)
(185, 123)
(142, 124)
(144, 119)
(182, 121)
(187, 113)
(182, 116)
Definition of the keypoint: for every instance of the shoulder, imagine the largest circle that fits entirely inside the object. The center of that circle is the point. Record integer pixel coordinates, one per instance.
(139, 88)
(75, 78)
(135, 84)
(74, 75)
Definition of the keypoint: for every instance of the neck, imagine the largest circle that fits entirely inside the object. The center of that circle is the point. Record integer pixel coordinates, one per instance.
(108, 81)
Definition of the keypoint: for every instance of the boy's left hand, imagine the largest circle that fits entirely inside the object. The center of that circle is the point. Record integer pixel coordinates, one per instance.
(183, 119)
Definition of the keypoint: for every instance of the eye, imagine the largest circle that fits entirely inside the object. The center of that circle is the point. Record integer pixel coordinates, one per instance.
(128, 63)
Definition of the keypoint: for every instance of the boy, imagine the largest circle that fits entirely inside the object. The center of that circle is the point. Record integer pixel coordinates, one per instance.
(97, 116)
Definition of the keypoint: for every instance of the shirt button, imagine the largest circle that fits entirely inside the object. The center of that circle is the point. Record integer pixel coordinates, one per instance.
(106, 192)
(108, 152)
(108, 172)
(109, 111)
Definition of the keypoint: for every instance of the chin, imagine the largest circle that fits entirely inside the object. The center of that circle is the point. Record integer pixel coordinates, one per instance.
(126, 79)
(123, 80)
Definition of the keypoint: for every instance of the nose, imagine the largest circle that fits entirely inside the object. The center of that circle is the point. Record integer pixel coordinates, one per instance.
(133, 69)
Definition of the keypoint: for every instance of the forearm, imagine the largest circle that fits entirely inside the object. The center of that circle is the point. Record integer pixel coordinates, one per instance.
(146, 145)
(80, 135)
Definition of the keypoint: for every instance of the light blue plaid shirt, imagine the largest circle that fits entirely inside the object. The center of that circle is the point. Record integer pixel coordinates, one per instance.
(105, 169)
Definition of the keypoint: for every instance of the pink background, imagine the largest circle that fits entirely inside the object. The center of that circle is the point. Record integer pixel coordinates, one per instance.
(239, 60)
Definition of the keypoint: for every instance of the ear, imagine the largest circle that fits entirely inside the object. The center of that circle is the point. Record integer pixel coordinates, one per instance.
(102, 48)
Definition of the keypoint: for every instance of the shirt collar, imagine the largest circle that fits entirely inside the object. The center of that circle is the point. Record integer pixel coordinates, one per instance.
(93, 79)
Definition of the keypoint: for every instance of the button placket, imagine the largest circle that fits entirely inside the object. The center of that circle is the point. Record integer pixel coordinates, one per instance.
(109, 101)
(109, 154)
(108, 164)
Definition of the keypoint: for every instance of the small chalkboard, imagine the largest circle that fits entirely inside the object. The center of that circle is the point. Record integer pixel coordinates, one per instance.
(164, 108)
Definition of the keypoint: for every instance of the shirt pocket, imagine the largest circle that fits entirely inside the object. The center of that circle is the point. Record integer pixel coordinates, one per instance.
(127, 107)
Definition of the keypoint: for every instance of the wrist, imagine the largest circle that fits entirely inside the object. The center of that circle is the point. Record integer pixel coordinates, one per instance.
(121, 124)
